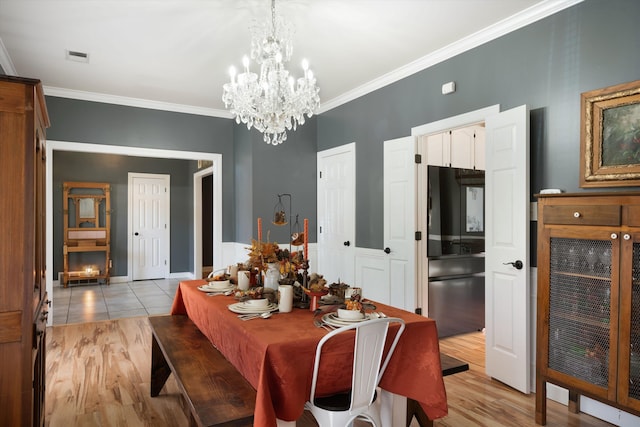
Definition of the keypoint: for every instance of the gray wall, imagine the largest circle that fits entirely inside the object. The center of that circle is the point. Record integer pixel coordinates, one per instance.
(545, 65)
(264, 171)
(97, 123)
(247, 161)
(114, 169)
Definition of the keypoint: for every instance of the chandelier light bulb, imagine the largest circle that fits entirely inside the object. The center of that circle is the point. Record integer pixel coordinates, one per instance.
(269, 100)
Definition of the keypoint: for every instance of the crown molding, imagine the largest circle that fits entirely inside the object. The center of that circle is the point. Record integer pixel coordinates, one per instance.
(134, 102)
(528, 16)
(507, 25)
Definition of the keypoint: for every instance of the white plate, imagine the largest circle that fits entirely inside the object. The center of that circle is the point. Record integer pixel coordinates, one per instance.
(209, 288)
(242, 308)
(334, 320)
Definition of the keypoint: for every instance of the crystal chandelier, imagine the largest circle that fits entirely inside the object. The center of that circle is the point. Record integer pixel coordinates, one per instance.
(272, 102)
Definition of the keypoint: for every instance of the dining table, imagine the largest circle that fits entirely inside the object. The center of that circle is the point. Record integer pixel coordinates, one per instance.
(276, 355)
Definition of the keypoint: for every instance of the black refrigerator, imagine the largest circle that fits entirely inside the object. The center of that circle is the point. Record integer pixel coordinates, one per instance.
(455, 250)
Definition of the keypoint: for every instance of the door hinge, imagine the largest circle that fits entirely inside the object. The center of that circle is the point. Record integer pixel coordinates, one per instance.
(418, 235)
(418, 158)
(165, 262)
(320, 229)
(320, 174)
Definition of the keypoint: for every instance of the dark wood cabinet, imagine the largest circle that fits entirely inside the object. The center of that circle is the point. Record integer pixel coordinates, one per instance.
(23, 298)
(588, 312)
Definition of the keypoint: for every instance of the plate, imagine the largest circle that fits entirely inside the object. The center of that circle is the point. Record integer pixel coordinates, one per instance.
(334, 320)
(242, 308)
(209, 288)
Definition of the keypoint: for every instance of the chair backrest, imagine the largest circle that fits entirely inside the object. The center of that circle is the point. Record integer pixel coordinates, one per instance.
(368, 366)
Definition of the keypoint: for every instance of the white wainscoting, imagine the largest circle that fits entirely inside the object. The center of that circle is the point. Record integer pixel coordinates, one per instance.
(372, 274)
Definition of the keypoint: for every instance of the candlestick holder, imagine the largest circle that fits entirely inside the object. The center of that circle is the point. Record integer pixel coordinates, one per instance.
(304, 299)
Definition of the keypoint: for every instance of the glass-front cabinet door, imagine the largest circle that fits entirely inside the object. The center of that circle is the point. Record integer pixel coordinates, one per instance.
(583, 309)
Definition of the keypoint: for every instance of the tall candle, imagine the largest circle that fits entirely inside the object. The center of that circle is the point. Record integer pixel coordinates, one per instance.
(259, 229)
(306, 239)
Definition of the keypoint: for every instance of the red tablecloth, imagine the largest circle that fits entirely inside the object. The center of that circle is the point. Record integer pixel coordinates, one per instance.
(276, 355)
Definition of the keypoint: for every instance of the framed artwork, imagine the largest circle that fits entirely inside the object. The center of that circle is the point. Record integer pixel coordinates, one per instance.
(610, 136)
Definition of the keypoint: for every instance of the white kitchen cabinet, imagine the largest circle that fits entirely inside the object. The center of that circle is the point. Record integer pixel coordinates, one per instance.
(439, 149)
(459, 148)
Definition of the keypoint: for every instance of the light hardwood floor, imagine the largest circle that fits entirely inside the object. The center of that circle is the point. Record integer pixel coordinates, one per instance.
(98, 375)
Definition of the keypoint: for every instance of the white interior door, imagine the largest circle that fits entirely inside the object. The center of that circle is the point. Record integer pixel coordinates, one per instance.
(336, 213)
(400, 220)
(507, 313)
(149, 226)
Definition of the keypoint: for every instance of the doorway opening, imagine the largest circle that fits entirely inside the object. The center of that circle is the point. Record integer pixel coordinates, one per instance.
(204, 223)
(215, 159)
(460, 121)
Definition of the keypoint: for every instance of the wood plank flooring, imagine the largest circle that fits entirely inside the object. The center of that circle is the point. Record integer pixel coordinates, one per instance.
(98, 375)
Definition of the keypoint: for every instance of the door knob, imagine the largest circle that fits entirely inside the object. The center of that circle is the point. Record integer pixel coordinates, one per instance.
(136, 233)
(387, 250)
(517, 264)
(347, 243)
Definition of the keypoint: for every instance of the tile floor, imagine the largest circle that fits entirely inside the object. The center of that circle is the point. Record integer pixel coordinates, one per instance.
(90, 303)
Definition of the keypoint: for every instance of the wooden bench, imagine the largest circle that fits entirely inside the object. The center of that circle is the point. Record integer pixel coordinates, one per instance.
(450, 366)
(215, 393)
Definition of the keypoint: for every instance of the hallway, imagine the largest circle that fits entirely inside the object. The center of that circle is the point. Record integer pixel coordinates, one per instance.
(91, 303)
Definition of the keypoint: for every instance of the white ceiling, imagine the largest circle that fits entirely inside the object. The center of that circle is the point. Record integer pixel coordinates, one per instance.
(175, 54)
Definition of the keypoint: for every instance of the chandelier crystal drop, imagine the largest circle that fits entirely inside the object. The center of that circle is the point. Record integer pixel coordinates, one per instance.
(273, 101)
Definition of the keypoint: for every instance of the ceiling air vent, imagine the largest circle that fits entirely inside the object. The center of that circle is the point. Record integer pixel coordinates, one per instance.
(74, 55)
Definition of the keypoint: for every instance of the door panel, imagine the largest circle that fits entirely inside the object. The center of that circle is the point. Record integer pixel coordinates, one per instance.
(507, 241)
(336, 214)
(149, 226)
(400, 220)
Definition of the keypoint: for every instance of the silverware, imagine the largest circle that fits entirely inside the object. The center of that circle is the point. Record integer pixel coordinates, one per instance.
(226, 293)
(250, 316)
(321, 324)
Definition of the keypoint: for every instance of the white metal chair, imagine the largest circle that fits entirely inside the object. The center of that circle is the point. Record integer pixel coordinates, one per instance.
(368, 367)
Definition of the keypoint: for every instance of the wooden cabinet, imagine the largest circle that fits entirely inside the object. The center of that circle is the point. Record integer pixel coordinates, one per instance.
(23, 299)
(588, 314)
(459, 148)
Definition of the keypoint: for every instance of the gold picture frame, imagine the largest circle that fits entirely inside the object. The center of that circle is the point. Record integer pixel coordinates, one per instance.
(610, 136)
